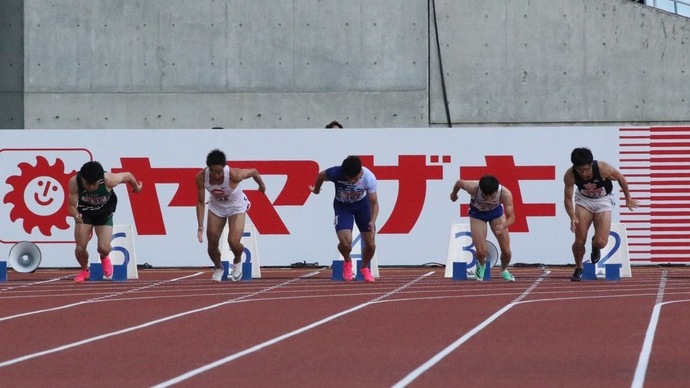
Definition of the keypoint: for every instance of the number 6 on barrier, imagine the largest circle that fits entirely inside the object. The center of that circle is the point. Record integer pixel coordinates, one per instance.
(122, 251)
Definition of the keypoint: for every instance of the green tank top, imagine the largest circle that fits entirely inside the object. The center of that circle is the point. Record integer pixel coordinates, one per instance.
(99, 201)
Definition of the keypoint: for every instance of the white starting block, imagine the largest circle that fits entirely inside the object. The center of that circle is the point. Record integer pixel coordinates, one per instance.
(461, 249)
(122, 256)
(615, 252)
(356, 256)
(250, 257)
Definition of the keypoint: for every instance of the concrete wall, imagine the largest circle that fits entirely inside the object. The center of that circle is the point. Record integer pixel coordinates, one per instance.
(232, 63)
(564, 61)
(12, 64)
(365, 63)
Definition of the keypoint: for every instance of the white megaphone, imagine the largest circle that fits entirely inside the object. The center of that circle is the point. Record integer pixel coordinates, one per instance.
(492, 255)
(24, 257)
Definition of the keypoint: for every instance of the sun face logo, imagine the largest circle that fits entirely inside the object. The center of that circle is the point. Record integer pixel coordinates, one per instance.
(40, 195)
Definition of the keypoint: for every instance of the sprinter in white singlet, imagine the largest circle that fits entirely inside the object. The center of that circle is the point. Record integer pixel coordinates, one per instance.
(227, 203)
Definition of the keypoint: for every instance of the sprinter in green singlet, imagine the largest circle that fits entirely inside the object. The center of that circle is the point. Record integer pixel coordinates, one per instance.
(92, 203)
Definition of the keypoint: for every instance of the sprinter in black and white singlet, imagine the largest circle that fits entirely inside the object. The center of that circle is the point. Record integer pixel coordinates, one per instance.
(227, 203)
(593, 202)
(490, 203)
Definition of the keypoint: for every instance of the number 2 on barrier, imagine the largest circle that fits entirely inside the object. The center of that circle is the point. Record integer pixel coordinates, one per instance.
(614, 249)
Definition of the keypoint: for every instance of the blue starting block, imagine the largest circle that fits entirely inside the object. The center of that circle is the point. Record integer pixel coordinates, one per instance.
(246, 271)
(3, 271)
(613, 271)
(459, 270)
(359, 276)
(589, 271)
(96, 272)
(337, 270)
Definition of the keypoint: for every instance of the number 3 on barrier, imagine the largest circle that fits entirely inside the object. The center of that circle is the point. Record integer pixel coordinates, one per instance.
(461, 249)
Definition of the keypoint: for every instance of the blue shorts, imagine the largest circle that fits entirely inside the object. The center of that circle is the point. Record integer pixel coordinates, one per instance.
(346, 214)
(486, 216)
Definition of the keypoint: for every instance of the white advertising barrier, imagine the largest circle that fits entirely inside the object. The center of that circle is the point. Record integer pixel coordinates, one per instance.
(356, 254)
(615, 252)
(415, 170)
(122, 250)
(461, 249)
(251, 249)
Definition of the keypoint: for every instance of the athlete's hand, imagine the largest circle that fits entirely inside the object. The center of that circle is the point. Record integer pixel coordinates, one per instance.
(573, 224)
(631, 203)
(314, 190)
(78, 219)
(200, 235)
(453, 197)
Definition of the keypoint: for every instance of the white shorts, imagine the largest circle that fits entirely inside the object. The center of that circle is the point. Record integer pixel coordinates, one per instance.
(595, 205)
(224, 211)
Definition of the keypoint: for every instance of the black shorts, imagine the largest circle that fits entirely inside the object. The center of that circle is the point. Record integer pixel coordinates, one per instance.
(97, 219)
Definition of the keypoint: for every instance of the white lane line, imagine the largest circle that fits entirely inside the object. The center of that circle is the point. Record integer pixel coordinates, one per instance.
(33, 283)
(643, 361)
(87, 301)
(285, 336)
(133, 328)
(442, 354)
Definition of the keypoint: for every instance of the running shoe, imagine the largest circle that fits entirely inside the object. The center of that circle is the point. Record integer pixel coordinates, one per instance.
(107, 267)
(81, 276)
(577, 275)
(366, 274)
(347, 271)
(236, 273)
(479, 272)
(217, 275)
(507, 276)
(596, 253)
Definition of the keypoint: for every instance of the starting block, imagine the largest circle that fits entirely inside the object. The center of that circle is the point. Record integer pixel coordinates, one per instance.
(96, 272)
(250, 257)
(355, 254)
(459, 270)
(613, 271)
(337, 270)
(246, 271)
(359, 276)
(589, 271)
(461, 250)
(3, 271)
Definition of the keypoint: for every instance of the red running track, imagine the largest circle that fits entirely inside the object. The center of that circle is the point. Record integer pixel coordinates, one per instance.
(297, 328)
